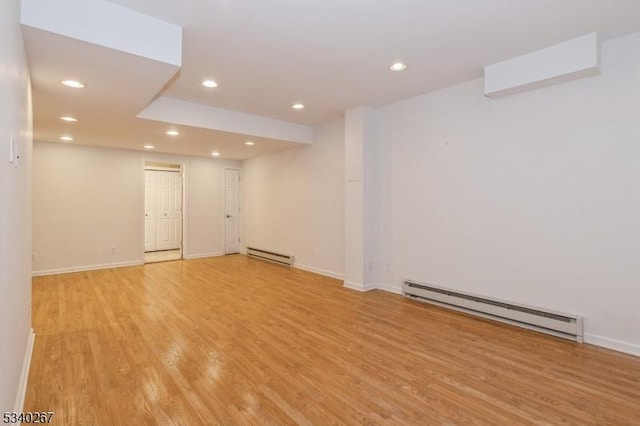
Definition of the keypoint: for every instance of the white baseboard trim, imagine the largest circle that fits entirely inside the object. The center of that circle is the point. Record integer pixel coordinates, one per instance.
(358, 287)
(24, 375)
(86, 268)
(373, 286)
(389, 289)
(203, 255)
(616, 345)
(320, 271)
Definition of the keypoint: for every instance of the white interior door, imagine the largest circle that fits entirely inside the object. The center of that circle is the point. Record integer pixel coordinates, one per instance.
(163, 222)
(232, 188)
(149, 211)
(176, 212)
(169, 207)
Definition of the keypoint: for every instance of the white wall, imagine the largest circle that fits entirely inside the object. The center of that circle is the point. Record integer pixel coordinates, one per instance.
(15, 206)
(88, 199)
(532, 198)
(293, 201)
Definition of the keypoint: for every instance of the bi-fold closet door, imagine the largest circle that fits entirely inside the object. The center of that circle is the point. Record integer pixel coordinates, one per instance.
(162, 210)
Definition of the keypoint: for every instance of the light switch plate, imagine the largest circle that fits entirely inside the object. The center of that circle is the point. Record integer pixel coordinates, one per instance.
(12, 150)
(14, 155)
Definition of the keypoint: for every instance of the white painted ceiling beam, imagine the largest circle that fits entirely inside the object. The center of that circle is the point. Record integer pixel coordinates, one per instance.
(571, 60)
(108, 25)
(197, 115)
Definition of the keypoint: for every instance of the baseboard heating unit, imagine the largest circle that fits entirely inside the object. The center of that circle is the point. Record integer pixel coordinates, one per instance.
(555, 323)
(270, 256)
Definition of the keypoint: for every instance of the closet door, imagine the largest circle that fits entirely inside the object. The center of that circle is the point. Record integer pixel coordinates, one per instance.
(176, 211)
(149, 211)
(169, 214)
(232, 210)
(163, 223)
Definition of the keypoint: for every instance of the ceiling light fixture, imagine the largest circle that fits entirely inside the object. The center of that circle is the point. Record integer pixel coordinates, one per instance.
(297, 106)
(73, 84)
(215, 154)
(398, 66)
(66, 138)
(149, 147)
(172, 132)
(250, 143)
(210, 84)
(69, 119)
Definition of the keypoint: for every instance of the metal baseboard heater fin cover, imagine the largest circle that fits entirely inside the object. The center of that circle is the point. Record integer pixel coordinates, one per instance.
(270, 256)
(558, 324)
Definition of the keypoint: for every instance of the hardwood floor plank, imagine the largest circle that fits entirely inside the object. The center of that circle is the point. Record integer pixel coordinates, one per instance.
(232, 340)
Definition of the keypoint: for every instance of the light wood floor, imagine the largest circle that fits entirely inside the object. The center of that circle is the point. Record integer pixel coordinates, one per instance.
(232, 340)
(162, 256)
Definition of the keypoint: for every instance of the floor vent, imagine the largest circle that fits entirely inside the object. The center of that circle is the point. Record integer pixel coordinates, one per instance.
(270, 256)
(558, 324)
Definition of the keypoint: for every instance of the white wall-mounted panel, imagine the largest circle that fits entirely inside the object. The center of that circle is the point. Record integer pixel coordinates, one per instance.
(563, 62)
(109, 25)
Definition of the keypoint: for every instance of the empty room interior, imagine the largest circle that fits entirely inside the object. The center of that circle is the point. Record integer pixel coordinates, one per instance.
(320, 212)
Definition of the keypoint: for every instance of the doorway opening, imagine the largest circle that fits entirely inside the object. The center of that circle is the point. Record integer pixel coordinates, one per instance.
(163, 215)
(232, 211)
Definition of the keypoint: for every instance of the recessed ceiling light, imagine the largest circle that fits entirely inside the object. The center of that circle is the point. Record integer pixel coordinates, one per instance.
(297, 106)
(215, 154)
(66, 138)
(209, 83)
(250, 143)
(398, 66)
(149, 147)
(69, 119)
(172, 132)
(73, 83)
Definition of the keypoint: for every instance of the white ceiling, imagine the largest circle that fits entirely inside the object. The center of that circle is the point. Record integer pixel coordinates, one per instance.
(114, 96)
(329, 54)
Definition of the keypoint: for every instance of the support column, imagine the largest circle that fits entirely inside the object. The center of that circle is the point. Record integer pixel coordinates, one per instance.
(360, 242)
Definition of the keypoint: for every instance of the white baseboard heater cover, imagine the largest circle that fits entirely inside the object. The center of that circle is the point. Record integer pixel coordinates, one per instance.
(555, 323)
(270, 256)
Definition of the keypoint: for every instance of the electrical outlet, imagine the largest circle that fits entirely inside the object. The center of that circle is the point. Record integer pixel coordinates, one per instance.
(113, 249)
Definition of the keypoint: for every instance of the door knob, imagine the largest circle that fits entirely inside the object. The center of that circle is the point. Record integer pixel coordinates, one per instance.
(229, 215)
